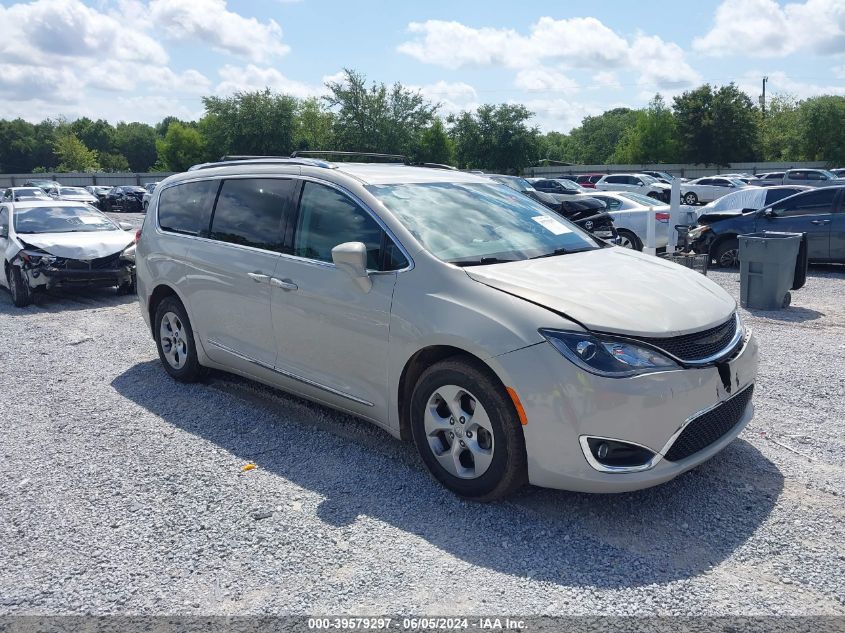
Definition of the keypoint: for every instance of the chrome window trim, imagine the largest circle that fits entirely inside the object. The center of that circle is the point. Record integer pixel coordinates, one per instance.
(288, 374)
(297, 176)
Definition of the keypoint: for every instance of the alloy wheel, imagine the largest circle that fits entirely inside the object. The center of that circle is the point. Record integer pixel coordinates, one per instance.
(459, 432)
(174, 341)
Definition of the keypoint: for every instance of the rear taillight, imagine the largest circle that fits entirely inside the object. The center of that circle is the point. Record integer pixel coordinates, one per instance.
(137, 236)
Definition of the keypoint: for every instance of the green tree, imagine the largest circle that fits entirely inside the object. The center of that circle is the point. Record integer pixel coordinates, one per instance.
(97, 135)
(180, 148)
(73, 155)
(314, 124)
(595, 140)
(137, 143)
(260, 122)
(435, 145)
(378, 118)
(779, 129)
(495, 137)
(821, 129)
(113, 162)
(652, 137)
(716, 126)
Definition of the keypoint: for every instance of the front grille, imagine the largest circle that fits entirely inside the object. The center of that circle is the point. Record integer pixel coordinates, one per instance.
(101, 263)
(710, 427)
(698, 345)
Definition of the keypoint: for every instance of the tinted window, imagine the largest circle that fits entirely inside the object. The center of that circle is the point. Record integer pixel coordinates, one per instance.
(797, 175)
(249, 212)
(327, 218)
(186, 208)
(815, 175)
(773, 195)
(615, 179)
(612, 203)
(721, 182)
(4, 221)
(704, 181)
(812, 203)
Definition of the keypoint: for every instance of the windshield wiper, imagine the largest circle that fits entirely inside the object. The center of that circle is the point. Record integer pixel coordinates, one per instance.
(484, 261)
(557, 251)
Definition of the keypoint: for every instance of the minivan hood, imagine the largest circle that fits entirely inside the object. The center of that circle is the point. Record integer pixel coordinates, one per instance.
(615, 290)
(84, 246)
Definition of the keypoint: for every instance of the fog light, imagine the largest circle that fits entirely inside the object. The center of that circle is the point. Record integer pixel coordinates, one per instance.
(610, 455)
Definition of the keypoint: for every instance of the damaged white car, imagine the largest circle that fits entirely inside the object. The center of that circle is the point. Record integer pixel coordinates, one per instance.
(61, 243)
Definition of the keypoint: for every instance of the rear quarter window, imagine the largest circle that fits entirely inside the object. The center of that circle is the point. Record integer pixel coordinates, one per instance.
(186, 208)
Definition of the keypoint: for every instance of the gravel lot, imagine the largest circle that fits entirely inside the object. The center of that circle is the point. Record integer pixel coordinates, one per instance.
(122, 491)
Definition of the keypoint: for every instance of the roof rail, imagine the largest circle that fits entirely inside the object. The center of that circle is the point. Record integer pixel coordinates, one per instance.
(263, 160)
(436, 166)
(395, 158)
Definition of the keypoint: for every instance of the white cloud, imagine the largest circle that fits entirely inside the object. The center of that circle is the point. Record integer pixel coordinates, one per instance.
(607, 79)
(453, 97)
(781, 83)
(662, 64)
(252, 77)
(51, 32)
(560, 115)
(543, 79)
(210, 22)
(568, 43)
(764, 28)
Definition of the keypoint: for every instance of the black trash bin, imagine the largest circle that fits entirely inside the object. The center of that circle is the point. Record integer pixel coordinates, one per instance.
(768, 262)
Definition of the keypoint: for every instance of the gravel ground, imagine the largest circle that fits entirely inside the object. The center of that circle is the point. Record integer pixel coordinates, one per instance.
(122, 491)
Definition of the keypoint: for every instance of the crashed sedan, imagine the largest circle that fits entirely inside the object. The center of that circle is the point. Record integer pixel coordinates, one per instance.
(61, 243)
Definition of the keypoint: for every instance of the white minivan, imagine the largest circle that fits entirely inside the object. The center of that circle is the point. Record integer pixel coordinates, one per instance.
(507, 343)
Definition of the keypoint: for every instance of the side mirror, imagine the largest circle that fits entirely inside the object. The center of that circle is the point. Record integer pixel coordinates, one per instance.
(640, 183)
(351, 258)
(769, 213)
(125, 226)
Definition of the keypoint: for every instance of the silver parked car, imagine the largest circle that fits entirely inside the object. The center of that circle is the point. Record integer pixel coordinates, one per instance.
(812, 178)
(450, 310)
(709, 188)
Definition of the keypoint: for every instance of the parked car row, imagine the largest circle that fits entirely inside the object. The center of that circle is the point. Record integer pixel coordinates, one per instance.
(125, 198)
(808, 177)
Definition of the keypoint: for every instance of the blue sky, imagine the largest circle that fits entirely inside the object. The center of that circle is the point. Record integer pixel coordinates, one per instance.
(144, 59)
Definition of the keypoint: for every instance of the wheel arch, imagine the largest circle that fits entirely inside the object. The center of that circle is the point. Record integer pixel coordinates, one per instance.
(159, 293)
(414, 367)
(719, 240)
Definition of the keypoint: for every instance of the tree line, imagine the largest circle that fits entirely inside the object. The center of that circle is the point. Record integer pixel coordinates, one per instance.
(708, 125)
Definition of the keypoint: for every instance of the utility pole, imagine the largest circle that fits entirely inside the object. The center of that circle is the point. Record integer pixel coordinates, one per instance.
(763, 99)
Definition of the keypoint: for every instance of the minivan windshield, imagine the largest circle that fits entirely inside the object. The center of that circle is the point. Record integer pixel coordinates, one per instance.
(474, 223)
(61, 220)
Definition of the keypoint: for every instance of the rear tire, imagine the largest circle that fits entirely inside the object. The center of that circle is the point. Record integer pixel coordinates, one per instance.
(175, 341)
(484, 459)
(690, 198)
(19, 287)
(726, 253)
(628, 239)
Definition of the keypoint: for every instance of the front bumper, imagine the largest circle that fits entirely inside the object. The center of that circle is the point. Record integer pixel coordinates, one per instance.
(563, 403)
(51, 277)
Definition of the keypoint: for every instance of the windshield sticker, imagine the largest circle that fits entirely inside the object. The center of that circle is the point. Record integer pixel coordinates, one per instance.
(550, 224)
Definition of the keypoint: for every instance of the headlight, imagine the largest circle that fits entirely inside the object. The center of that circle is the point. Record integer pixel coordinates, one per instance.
(128, 252)
(607, 356)
(36, 257)
(697, 232)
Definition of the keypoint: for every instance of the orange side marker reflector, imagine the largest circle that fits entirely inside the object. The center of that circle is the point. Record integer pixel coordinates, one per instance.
(519, 410)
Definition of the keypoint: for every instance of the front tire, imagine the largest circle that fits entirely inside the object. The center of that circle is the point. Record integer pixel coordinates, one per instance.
(467, 431)
(726, 253)
(628, 239)
(128, 287)
(175, 341)
(690, 198)
(19, 287)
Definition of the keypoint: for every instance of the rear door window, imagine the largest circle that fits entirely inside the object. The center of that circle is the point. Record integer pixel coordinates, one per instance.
(251, 212)
(186, 208)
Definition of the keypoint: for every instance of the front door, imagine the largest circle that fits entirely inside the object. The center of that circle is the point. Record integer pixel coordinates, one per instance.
(330, 334)
(229, 272)
(810, 213)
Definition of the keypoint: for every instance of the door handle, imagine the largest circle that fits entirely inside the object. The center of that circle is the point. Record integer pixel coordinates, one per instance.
(258, 277)
(284, 284)
(817, 222)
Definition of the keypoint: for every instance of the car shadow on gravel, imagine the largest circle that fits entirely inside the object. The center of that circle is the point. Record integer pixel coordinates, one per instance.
(792, 314)
(675, 531)
(63, 300)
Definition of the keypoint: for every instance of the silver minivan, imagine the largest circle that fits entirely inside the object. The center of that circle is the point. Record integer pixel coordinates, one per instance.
(450, 310)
